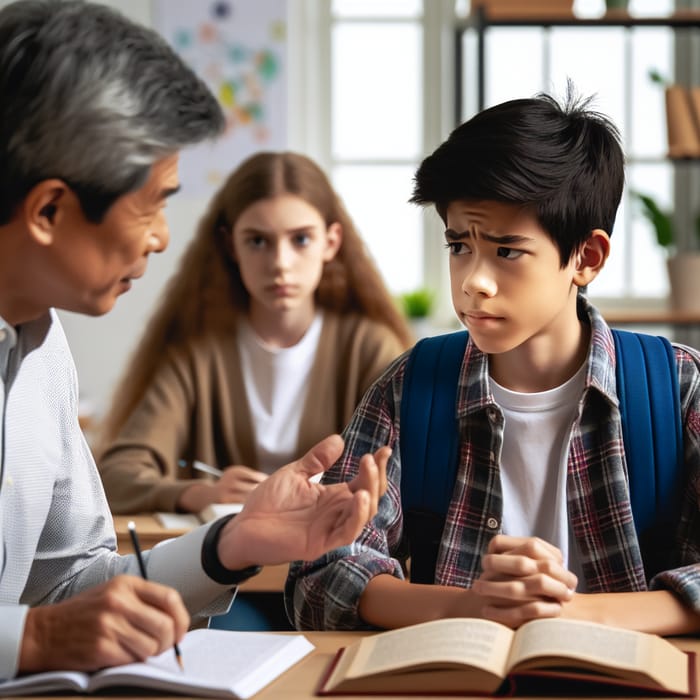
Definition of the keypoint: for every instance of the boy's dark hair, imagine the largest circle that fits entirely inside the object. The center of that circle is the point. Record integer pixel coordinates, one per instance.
(564, 162)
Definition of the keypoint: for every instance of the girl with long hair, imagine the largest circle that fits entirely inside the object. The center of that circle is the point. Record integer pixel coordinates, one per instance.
(264, 341)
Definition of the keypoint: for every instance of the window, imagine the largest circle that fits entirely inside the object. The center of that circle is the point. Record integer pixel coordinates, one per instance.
(612, 64)
(387, 94)
(377, 128)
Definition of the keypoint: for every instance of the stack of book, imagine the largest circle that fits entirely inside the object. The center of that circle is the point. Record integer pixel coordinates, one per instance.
(683, 121)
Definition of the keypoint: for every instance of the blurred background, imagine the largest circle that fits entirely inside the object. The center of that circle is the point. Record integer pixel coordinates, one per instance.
(369, 87)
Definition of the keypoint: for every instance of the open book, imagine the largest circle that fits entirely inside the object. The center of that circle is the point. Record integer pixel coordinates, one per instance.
(475, 657)
(188, 521)
(218, 664)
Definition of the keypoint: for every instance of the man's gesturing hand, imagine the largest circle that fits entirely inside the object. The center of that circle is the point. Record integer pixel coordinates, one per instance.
(288, 517)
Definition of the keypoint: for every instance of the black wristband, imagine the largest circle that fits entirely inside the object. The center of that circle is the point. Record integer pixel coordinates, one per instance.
(211, 563)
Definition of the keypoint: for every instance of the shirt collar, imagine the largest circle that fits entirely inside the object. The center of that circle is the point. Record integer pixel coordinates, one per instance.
(8, 340)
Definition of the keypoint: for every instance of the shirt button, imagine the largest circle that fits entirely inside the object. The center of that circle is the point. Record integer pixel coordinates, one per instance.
(492, 524)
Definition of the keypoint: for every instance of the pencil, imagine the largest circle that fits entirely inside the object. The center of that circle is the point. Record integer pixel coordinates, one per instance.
(139, 558)
(202, 467)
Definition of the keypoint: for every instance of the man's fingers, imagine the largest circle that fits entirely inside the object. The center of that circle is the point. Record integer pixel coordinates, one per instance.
(123, 620)
(321, 456)
(158, 597)
(371, 475)
(349, 521)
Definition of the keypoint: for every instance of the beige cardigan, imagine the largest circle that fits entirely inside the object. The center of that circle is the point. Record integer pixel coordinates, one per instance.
(195, 408)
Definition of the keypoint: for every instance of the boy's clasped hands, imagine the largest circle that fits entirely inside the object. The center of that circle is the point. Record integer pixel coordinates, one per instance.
(523, 578)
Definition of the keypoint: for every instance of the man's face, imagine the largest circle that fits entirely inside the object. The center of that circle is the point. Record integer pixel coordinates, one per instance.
(508, 285)
(90, 265)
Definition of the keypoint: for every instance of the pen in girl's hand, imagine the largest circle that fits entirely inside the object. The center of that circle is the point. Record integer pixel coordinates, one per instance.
(201, 466)
(142, 568)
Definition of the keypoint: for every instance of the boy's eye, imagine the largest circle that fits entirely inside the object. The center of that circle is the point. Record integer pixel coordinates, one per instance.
(457, 248)
(508, 253)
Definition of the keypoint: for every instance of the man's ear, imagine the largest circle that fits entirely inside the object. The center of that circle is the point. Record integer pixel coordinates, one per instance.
(43, 209)
(591, 257)
(334, 239)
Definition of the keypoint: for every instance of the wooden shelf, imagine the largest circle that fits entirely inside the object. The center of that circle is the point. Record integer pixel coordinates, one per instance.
(614, 18)
(481, 21)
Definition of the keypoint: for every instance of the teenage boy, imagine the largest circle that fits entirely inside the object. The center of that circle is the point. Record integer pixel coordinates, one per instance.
(539, 523)
(94, 111)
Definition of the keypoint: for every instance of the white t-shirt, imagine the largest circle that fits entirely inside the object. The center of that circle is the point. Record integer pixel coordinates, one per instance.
(276, 382)
(534, 462)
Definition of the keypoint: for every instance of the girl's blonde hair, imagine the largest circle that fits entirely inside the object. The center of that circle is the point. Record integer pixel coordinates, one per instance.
(206, 294)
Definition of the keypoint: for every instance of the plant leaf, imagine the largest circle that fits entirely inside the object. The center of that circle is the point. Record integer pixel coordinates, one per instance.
(661, 220)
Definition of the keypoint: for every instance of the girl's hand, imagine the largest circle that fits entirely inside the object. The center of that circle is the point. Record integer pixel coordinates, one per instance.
(236, 483)
(233, 486)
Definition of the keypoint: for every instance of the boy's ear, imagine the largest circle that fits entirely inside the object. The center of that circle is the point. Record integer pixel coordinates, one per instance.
(43, 209)
(591, 257)
(334, 239)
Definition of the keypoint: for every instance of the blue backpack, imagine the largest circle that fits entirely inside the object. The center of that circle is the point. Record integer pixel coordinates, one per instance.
(647, 386)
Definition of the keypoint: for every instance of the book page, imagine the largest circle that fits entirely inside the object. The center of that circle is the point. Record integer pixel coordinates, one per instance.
(177, 521)
(625, 653)
(50, 681)
(218, 663)
(455, 641)
(214, 511)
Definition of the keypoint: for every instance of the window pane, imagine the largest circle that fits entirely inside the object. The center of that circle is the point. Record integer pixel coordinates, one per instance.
(649, 276)
(600, 72)
(514, 64)
(376, 84)
(377, 200)
(651, 48)
(377, 8)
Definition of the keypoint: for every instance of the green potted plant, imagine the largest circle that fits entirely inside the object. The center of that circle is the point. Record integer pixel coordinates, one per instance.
(683, 267)
(417, 306)
(615, 5)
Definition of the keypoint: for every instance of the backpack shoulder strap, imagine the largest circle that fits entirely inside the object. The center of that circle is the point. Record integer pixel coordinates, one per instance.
(429, 443)
(649, 395)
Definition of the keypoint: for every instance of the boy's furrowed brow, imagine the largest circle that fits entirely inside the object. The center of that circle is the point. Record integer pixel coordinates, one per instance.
(506, 239)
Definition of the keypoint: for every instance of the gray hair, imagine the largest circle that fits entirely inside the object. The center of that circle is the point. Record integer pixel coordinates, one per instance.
(91, 98)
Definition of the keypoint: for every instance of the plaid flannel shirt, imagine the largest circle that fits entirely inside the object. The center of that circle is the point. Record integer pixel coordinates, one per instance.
(325, 594)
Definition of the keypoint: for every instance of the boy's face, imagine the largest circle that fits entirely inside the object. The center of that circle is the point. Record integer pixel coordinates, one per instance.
(508, 285)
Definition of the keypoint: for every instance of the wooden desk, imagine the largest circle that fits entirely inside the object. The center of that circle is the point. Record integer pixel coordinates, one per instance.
(270, 580)
(300, 682)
